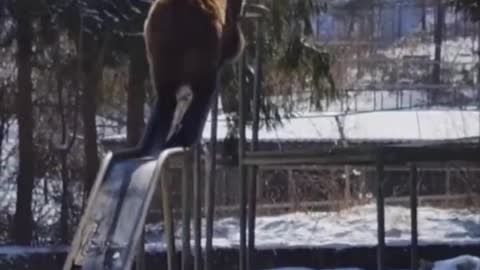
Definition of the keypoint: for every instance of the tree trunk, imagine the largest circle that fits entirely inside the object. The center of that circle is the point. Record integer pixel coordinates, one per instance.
(138, 72)
(94, 57)
(438, 38)
(23, 220)
(3, 120)
(65, 207)
(64, 212)
(89, 110)
(424, 15)
(478, 65)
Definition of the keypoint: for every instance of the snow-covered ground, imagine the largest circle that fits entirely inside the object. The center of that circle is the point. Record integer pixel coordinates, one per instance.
(384, 125)
(387, 125)
(459, 51)
(460, 262)
(351, 227)
(26, 250)
(303, 268)
(464, 262)
(356, 226)
(390, 67)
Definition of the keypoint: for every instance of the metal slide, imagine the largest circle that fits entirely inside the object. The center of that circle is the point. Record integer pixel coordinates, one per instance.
(110, 229)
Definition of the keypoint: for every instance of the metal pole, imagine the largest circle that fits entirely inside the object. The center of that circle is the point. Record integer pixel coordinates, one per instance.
(242, 169)
(401, 98)
(140, 262)
(356, 102)
(413, 217)
(197, 207)
(168, 220)
(252, 200)
(381, 100)
(186, 211)
(380, 214)
(397, 99)
(478, 68)
(210, 186)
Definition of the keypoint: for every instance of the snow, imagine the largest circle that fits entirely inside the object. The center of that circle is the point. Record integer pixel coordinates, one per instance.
(384, 125)
(460, 262)
(107, 127)
(390, 66)
(356, 226)
(459, 50)
(303, 268)
(387, 125)
(27, 250)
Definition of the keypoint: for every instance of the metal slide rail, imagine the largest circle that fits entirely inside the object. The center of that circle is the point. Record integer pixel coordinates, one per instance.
(161, 161)
(76, 259)
(77, 240)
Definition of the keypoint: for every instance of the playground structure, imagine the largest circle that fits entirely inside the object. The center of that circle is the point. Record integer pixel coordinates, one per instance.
(110, 233)
(110, 230)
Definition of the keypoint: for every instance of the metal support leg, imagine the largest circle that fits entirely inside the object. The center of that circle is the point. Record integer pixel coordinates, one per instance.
(168, 221)
(380, 215)
(413, 216)
(252, 204)
(242, 171)
(186, 210)
(252, 190)
(197, 206)
(210, 187)
(140, 262)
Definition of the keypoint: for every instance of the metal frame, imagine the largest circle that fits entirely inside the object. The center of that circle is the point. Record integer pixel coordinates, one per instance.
(394, 155)
(76, 244)
(186, 211)
(249, 161)
(167, 216)
(402, 155)
(107, 164)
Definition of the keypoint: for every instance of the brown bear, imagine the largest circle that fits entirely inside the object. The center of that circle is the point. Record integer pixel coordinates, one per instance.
(187, 43)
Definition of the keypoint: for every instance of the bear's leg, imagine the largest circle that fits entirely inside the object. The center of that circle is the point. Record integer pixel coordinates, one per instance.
(194, 118)
(184, 96)
(165, 109)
